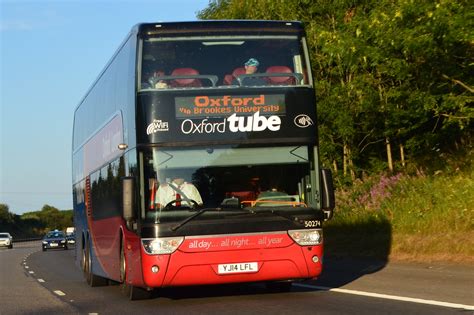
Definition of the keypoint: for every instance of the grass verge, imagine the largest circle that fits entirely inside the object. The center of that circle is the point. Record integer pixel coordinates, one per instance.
(406, 218)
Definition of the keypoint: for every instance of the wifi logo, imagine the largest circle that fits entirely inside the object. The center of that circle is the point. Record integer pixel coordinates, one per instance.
(157, 125)
(303, 121)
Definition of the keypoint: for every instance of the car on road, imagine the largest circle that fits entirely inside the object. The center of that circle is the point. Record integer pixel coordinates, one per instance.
(6, 240)
(54, 239)
(71, 239)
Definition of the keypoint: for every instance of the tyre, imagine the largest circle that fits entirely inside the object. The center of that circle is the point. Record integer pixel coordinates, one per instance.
(84, 262)
(44, 249)
(136, 293)
(91, 279)
(133, 293)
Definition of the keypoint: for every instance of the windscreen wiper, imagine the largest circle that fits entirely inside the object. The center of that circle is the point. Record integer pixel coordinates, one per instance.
(191, 217)
(279, 214)
(194, 215)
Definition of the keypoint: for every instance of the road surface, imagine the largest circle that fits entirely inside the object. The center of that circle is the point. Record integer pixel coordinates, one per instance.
(36, 282)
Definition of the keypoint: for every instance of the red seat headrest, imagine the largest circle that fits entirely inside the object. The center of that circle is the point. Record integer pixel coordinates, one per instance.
(280, 80)
(238, 71)
(228, 78)
(186, 82)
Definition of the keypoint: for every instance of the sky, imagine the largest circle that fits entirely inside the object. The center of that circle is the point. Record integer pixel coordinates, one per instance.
(50, 54)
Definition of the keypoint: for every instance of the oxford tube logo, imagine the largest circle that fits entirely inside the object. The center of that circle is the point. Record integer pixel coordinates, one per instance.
(233, 123)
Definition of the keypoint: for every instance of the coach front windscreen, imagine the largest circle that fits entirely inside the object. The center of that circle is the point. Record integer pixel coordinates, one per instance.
(181, 181)
(223, 62)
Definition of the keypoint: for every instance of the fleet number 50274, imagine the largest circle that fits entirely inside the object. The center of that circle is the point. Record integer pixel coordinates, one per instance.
(312, 223)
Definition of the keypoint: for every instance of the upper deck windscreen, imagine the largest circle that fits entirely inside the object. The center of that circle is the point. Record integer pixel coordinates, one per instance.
(223, 62)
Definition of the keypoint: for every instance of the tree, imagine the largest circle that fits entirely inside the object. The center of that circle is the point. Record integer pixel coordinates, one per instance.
(387, 73)
(5, 216)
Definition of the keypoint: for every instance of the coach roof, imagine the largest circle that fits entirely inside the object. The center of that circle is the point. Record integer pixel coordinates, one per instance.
(220, 26)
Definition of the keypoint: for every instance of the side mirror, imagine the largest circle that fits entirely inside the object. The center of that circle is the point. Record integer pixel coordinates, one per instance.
(128, 184)
(328, 200)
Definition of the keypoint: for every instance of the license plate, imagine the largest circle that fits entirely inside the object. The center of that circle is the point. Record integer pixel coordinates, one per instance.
(237, 268)
(53, 244)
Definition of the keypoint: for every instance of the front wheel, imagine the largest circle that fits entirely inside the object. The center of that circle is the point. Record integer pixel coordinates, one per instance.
(132, 292)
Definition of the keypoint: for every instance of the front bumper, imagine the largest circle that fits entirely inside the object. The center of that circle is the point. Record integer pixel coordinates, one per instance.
(53, 245)
(275, 257)
(5, 243)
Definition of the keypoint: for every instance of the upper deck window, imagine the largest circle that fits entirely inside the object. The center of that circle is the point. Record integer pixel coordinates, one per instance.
(219, 62)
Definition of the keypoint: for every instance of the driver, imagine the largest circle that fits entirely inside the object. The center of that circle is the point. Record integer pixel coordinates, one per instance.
(179, 192)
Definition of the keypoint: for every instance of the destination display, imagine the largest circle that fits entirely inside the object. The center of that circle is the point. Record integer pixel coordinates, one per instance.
(226, 105)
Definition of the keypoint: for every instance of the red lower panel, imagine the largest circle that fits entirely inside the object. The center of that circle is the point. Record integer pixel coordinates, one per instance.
(105, 236)
(132, 246)
(180, 268)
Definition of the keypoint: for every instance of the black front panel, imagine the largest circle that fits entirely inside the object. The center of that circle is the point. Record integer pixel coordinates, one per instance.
(232, 222)
(286, 115)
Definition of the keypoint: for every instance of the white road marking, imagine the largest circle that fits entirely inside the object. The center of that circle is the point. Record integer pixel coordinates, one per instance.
(40, 280)
(27, 267)
(31, 271)
(387, 296)
(59, 292)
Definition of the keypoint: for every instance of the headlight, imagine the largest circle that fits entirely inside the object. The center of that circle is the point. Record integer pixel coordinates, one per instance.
(166, 245)
(307, 237)
(44, 242)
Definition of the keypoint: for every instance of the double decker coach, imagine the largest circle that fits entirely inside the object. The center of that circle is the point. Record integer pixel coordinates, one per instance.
(195, 159)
